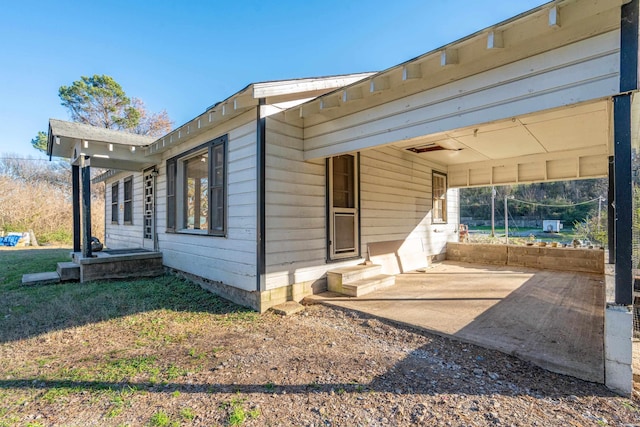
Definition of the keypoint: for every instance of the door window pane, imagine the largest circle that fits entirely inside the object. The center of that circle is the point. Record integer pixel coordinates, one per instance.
(344, 233)
(343, 182)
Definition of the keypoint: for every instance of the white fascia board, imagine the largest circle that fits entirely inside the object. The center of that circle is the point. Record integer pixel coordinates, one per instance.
(264, 90)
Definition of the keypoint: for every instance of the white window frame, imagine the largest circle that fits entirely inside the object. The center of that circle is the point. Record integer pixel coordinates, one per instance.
(438, 197)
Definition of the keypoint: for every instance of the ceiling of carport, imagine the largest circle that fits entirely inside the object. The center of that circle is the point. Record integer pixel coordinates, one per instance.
(571, 128)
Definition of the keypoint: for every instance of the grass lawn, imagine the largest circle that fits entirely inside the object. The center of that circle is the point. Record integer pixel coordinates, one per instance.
(163, 352)
(99, 341)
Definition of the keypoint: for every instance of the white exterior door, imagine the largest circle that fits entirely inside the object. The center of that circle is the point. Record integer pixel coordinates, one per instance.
(344, 238)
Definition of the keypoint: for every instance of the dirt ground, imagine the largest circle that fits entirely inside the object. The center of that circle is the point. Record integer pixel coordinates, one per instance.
(323, 367)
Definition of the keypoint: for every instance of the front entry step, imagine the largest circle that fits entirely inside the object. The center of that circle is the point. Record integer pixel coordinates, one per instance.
(358, 280)
(368, 285)
(34, 279)
(68, 271)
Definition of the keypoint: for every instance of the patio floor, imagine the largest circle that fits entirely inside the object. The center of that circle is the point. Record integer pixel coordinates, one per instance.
(553, 319)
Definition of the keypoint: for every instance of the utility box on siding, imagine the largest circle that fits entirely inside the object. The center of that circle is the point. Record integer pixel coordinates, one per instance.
(551, 225)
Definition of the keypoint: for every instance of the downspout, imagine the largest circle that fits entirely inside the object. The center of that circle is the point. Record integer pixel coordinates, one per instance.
(261, 197)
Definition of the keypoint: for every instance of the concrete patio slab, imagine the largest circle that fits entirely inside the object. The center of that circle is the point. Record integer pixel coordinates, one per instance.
(553, 319)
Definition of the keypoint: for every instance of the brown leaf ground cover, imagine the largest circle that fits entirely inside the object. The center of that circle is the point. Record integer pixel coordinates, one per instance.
(163, 352)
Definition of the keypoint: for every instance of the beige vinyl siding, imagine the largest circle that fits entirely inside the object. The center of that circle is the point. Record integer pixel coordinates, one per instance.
(295, 207)
(121, 236)
(230, 259)
(395, 191)
(395, 200)
(567, 75)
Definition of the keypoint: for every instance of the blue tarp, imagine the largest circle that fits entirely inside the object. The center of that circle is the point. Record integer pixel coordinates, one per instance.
(9, 240)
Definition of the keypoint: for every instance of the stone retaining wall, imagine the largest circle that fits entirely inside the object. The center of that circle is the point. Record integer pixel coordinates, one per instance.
(543, 258)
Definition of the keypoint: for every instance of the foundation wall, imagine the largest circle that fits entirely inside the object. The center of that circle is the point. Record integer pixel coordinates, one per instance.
(121, 267)
(543, 258)
(618, 326)
(259, 301)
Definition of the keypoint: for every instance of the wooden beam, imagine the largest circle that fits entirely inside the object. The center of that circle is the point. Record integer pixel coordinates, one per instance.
(215, 115)
(309, 109)
(352, 93)
(242, 102)
(328, 102)
(412, 71)
(495, 40)
(448, 57)
(554, 17)
(379, 84)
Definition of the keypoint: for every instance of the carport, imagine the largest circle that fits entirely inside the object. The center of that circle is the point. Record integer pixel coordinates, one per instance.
(545, 96)
(516, 310)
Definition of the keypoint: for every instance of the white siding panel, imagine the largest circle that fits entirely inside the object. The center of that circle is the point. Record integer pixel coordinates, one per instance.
(395, 193)
(568, 75)
(295, 209)
(231, 259)
(121, 236)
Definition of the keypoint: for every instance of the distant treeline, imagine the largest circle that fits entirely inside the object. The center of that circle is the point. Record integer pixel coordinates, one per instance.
(563, 200)
(35, 194)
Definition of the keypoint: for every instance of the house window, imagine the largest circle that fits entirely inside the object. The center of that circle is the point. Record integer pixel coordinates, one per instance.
(128, 198)
(196, 193)
(439, 187)
(114, 202)
(171, 195)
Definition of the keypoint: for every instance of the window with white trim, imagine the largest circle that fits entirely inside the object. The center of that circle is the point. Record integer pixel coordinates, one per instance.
(439, 195)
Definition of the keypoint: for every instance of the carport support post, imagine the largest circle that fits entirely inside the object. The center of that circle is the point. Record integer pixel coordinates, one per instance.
(506, 219)
(86, 207)
(618, 318)
(611, 213)
(75, 185)
(623, 199)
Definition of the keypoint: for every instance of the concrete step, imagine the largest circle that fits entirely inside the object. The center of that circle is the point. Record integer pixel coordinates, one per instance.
(368, 285)
(68, 271)
(339, 277)
(40, 278)
(288, 308)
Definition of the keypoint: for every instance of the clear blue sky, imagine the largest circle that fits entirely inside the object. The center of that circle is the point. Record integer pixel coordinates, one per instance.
(184, 56)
